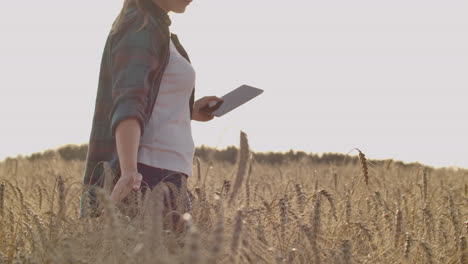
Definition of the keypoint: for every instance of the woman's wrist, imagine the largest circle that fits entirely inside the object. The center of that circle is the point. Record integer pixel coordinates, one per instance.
(128, 170)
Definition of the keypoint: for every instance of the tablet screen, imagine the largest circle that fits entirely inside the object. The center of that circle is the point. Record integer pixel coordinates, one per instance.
(236, 98)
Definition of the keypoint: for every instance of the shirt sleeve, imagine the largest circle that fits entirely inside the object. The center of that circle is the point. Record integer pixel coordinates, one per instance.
(133, 63)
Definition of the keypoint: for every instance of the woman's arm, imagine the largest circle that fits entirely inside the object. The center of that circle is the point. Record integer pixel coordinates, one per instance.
(127, 140)
(133, 63)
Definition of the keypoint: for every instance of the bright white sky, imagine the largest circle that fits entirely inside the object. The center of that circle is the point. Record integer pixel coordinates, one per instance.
(388, 77)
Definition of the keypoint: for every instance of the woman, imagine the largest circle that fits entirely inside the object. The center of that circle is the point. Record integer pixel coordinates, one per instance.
(144, 104)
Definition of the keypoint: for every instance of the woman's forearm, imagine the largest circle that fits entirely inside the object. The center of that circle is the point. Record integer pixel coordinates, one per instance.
(127, 140)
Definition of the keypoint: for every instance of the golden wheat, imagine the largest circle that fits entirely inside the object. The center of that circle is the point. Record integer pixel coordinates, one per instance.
(297, 212)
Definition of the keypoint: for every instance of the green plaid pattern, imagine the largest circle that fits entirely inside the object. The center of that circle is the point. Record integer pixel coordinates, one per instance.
(132, 67)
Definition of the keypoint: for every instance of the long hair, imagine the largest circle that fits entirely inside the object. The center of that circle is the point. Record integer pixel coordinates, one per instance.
(140, 4)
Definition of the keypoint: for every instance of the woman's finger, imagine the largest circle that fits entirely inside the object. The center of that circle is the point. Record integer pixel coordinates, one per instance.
(213, 98)
(217, 99)
(137, 181)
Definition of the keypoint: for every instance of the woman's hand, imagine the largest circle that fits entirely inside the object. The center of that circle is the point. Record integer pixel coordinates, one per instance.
(128, 181)
(200, 115)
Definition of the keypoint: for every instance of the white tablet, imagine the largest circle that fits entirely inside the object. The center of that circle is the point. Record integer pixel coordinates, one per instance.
(233, 99)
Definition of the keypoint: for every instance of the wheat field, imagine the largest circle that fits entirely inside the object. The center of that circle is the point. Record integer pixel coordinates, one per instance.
(243, 213)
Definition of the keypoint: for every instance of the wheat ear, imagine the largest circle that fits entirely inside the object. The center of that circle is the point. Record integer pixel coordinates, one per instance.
(331, 201)
(365, 169)
(2, 192)
(242, 166)
(407, 245)
(398, 226)
(283, 217)
(300, 197)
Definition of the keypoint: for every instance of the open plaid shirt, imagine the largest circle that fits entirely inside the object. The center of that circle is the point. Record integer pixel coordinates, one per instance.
(132, 66)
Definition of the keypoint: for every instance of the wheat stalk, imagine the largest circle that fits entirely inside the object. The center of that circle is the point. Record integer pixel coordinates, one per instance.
(331, 201)
(398, 227)
(427, 251)
(236, 236)
(425, 184)
(348, 208)
(193, 254)
(247, 183)
(463, 251)
(442, 234)
(428, 220)
(39, 193)
(242, 165)
(283, 217)
(109, 177)
(365, 169)
(454, 216)
(2, 193)
(407, 245)
(217, 232)
(346, 251)
(260, 233)
(111, 242)
(300, 197)
(61, 196)
(20, 195)
(367, 233)
(197, 160)
(226, 187)
(335, 181)
(41, 230)
(291, 255)
(316, 223)
(156, 212)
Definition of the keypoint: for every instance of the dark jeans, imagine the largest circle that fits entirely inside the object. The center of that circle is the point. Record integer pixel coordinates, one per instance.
(153, 176)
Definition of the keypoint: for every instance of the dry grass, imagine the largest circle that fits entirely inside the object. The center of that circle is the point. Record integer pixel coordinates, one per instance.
(296, 213)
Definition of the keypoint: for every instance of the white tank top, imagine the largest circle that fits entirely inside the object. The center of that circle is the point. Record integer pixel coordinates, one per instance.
(167, 141)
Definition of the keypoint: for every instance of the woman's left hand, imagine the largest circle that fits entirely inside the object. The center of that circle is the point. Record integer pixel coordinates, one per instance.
(200, 115)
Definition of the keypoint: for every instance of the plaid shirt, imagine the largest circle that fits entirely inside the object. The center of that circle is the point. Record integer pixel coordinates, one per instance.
(132, 67)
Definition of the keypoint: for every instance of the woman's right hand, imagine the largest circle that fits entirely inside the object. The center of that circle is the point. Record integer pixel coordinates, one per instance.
(137, 178)
(128, 181)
